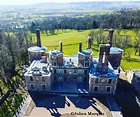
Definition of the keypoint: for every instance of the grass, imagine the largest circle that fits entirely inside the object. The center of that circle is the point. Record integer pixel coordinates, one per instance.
(71, 39)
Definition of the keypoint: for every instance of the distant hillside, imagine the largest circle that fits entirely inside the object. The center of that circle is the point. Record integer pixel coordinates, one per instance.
(51, 7)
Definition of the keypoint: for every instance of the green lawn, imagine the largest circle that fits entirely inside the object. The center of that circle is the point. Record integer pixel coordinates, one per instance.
(71, 39)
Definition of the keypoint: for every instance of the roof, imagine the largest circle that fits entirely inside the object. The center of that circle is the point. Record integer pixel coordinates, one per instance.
(86, 52)
(38, 68)
(37, 49)
(95, 74)
(115, 50)
(56, 52)
(70, 61)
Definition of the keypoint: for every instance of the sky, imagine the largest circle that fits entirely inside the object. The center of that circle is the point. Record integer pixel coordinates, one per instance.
(17, 2)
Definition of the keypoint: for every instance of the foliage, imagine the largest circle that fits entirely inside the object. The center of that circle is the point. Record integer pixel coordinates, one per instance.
(123, 19)
(13, 52)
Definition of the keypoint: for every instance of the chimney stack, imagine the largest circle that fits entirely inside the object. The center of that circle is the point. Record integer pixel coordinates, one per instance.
(80, 46)
(61, 48)
(110, 36)
(89, 42)
(38, 37)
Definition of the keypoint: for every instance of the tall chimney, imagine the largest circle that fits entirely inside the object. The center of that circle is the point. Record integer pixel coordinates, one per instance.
(80, 46)
(89, 42)
(38, 37)
(110, 37)
(61, 48)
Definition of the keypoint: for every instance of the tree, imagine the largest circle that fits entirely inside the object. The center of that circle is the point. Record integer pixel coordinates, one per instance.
(137, 42)
(94, 25)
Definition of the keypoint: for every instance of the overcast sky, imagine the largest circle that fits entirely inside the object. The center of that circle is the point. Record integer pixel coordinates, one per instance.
(17, 2)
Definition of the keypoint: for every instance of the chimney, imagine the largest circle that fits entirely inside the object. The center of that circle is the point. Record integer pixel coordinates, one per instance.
(80, 46)
(61, 48)
(89, 42)
(38, 37)
(110, 37)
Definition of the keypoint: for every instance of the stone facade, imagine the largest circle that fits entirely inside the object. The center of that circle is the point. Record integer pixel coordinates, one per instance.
(133, 76)
(53, 72)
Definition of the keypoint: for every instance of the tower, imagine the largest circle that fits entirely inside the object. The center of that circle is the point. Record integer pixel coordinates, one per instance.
(36, 52)
(85, 56)
(56, 57)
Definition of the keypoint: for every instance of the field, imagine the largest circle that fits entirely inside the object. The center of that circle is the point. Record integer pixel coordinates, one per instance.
(71, 39)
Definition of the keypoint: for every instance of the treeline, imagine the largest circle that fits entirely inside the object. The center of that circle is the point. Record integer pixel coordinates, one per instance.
(123, 19)
(13, 55)
(13, 51)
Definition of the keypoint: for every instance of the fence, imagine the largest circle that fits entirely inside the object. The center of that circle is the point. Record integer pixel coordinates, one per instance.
(23, 106)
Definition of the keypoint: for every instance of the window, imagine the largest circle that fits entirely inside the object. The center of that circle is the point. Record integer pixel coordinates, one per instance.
(65, 71)
(31, 78)
(54, 78)
(96, 80)
(95, 89)
(115, 62)
(103, 59)
(74, 78)
(65, 79)
(43, 78)
(75, 71)
(108, 89)
(84, 79)
(70, 72)
(43, 87)
(37, 79)
(54, 70)
(85, 64)
(54, 63)
(109, 81)
(85, 72)
(32, 86)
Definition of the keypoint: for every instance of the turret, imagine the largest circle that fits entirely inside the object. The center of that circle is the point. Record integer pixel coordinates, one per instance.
(56, 57)
(84, 56)
(36, 52)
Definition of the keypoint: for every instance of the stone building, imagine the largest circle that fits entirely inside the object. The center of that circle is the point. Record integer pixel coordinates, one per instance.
(133, 76)
(55, 73)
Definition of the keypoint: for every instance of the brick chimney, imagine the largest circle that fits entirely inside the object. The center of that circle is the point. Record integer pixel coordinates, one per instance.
(110, 36)
(89, 42)
(38, 37)
(102, 65)
(80, 46)
(61, 48)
